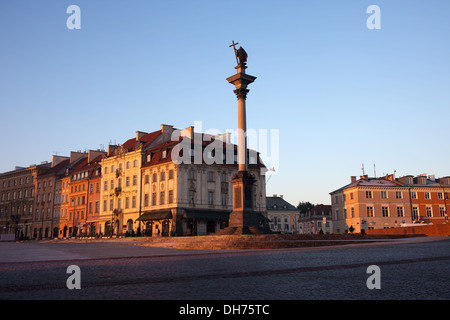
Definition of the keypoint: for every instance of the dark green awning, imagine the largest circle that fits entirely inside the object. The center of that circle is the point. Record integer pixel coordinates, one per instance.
(155, 215)
(206, 214)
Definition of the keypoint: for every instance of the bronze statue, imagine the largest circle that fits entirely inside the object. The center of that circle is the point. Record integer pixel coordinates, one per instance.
(241, 55)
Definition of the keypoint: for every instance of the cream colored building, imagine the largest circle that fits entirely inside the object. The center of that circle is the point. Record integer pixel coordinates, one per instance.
(192, 197)
(120, 196)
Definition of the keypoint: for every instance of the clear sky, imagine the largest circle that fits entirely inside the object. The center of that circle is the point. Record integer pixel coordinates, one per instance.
(340, 94)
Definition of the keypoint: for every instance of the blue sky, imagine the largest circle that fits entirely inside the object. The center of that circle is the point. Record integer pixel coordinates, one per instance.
(339, 94)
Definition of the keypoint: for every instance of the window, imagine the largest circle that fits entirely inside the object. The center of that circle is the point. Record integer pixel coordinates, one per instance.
(162, 197)
(170, 174)
(337, 214)
(135, 163)
(370, 211)
(385, 211)
(145, 200)
(399, 211)
(210, 197)
(154, 199)
(154, 177)
(134, 180)
(210, 176)
(224, 199)
(383, 195)
(170, 196)
(127, 202)
(162, 175)
(133, 201)
(442, 211)
(415, 213)
(352, 212)
(440, 196)
(127, 181)
(147, 179)
(343, 197)
(413, 195)
(368, 194)
(398, 195)
(429, 212)
(427, 195)
(191, 196)
(351, 196)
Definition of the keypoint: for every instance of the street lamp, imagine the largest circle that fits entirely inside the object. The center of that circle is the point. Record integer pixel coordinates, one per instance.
(194, 229)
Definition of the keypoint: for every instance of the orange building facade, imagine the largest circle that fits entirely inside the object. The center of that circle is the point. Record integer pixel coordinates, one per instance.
(389, 202)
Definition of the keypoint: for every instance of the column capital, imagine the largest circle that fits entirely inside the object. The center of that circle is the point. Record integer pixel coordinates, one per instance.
(241, 93)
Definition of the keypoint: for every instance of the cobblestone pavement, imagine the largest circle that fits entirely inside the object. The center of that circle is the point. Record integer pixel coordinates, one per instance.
(416, 269)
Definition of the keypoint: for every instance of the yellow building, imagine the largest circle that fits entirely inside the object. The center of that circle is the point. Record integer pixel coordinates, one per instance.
(121, 182)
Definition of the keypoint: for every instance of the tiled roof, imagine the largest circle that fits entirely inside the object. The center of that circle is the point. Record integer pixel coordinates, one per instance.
(278, 203)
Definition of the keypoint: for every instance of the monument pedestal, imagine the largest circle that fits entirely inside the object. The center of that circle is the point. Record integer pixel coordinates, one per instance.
(244, 219)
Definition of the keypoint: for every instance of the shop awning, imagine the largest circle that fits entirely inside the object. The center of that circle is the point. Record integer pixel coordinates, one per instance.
(206, 214)
(155, 215)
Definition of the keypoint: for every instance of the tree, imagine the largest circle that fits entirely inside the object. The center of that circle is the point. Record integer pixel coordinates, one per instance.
(304, 207)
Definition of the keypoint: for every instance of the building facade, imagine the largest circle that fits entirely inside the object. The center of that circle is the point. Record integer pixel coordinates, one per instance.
(17, 200)
(317, 220)
(148, 185)
(283, 216)
(388, 202)
(193, 196)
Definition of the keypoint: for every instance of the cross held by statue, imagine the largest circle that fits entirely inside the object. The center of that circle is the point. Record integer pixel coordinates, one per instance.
(235, 51)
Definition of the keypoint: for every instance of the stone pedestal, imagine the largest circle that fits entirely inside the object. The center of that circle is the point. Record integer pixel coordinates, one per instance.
(244, 219)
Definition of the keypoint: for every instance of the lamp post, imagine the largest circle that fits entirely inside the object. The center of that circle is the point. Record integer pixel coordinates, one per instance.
(194, 229)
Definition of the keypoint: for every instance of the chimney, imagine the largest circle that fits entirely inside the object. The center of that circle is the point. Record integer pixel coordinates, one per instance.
(76, 155)
(188, 132)
(111, 149)
(226, 137)
(275, 195)
(281, 196)
(139, 135)
(353, 179)
(166, 131)
(58, 159)
(364, 177)
(94, 154)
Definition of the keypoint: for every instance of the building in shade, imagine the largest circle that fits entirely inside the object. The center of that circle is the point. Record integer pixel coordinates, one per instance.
(17, 200)
(317, 220)
(389, 202)
(283, 216)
